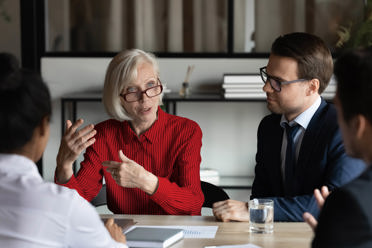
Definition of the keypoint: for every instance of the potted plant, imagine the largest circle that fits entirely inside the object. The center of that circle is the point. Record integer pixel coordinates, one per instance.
(357, 34)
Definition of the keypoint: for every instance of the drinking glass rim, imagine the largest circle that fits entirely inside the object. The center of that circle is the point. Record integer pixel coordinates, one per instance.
(262, 201)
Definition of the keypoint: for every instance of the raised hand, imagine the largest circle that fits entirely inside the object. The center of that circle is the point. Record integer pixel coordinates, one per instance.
(129, 174)
(73, 143)
(320, 197)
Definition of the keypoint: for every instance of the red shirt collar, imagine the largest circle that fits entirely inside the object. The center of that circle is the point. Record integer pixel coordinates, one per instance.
(153, 133)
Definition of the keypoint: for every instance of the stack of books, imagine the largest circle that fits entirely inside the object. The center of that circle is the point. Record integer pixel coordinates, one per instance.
(166, 90)
(243, 86)
(250, 86)
(330, 91)
(210, 176)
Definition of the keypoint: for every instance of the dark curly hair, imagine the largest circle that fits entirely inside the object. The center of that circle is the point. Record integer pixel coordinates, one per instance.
(24, 102)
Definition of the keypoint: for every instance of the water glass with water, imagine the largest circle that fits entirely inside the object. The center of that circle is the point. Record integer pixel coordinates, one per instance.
(261, 216)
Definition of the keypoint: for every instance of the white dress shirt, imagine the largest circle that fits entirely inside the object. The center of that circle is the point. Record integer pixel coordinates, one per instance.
(303, 121)
(35, 213)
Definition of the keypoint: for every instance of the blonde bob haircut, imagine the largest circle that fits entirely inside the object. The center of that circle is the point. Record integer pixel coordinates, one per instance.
(121, 71)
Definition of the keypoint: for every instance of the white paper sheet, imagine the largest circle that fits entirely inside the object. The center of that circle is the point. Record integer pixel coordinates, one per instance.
(191, 232)
(234, 246)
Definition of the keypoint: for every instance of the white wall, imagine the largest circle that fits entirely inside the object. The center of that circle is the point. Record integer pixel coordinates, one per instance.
(229, 129)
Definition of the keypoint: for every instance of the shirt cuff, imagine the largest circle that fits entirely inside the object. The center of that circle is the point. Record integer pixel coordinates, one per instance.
(70, 183)
(161, 193)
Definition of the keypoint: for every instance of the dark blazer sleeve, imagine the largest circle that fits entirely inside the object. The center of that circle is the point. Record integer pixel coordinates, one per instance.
(322, 161)
(344, 222)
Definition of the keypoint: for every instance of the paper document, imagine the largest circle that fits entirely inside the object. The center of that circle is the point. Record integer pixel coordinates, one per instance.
(191, 232)
(234, 246)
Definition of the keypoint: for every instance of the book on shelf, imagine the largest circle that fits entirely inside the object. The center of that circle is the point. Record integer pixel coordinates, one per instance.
(330, 91)
(331, 87)
(166, 90)
(243, 85)
(153, 236)
(332, 81)
(328, 95)
(243, 90)
(251, 95)
(210, 176)
(241, 78)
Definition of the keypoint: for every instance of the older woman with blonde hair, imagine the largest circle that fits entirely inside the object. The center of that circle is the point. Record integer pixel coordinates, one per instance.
(150, 159)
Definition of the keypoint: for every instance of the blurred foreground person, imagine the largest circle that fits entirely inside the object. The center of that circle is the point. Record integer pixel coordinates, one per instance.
(35, 213)
(346, 216)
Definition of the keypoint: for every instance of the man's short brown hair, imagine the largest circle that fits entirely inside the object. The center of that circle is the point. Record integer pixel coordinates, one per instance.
(311, 53)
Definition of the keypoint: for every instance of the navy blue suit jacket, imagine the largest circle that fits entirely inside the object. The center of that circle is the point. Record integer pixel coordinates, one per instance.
(321, 161)
(346, 217)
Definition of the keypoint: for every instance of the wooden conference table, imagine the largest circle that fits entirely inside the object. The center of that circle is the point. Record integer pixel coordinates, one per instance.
(285, 235)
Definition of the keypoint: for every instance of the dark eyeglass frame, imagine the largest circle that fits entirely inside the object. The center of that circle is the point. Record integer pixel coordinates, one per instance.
(140, 93)
(279, 83)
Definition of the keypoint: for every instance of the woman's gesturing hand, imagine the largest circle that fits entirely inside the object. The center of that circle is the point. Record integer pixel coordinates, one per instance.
(129, 174)
(73, 143)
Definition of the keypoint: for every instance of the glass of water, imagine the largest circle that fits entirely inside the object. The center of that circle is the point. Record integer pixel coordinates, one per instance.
(261, 216)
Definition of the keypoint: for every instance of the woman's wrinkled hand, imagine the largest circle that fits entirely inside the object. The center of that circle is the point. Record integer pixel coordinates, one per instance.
(129, 174)
(73, 143)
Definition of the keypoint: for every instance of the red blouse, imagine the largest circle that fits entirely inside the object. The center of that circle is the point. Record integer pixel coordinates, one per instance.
(170, 149)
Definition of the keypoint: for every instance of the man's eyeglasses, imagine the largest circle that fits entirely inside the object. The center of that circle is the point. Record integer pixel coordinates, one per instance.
(275, 83)
(136, 96)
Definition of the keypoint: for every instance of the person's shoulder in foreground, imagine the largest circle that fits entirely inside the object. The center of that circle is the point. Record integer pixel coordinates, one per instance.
(35, 213)
(346, 216)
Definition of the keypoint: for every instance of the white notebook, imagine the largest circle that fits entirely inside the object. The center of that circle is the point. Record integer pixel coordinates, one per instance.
(153, 237)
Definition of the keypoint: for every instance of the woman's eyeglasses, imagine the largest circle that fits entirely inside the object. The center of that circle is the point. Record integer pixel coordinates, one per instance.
(136, 96)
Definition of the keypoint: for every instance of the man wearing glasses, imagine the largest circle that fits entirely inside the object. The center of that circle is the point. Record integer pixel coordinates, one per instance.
(299, 145)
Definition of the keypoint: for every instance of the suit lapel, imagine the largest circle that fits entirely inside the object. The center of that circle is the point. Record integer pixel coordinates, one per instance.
(276, 141)
(311, 136)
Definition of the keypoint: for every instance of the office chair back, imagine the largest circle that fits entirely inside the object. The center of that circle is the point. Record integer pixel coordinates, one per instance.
(100, 199)
(212, 194)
